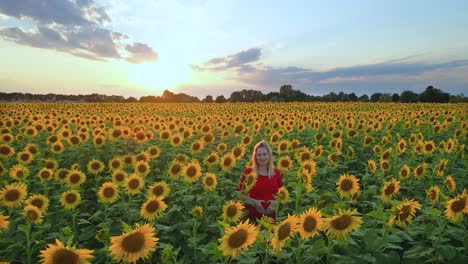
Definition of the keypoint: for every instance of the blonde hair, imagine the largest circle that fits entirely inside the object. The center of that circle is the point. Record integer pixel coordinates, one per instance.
(255, 165)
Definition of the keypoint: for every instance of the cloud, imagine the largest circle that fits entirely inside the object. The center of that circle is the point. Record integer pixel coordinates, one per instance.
(237, 61)
(404, 71)
(140, 52)
(73, 27)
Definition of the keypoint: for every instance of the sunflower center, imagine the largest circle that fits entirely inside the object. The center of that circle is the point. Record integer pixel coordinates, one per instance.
(209, 181)
(119, 177)
(12, 195)
(74, 178)
(227, 162)
(45, 175)
(284, 163)
(71, 198)
(428, 147)
(305, 156)
(32, 215)
(95, 166)
(142, 168)
(405, 212)
(385, 165)
(211, 159)
(176, 140)
(346, 185)
(108, 192)
(175, 169)
(390, 189)
(19, 174)
(231, 211)
(309, 223)
(133, 243)
(237, 152)
(458, 205)
(433, 194)
(115, 164)
(133, 183)
(158, 190)
(342, 222)
(284, 231)
(152, 206)
(64, 256)
(38, 203)
(238, 238)
(191, 171)
(404, 173)
(24, 157)
(419, 171)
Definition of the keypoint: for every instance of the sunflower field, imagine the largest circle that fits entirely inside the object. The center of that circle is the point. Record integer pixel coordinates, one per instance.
(156, 183)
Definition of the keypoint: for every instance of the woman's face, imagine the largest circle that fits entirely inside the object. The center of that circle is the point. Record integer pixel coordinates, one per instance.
(262, 156)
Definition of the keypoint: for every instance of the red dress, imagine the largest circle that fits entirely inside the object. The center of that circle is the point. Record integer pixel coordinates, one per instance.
(264, 189)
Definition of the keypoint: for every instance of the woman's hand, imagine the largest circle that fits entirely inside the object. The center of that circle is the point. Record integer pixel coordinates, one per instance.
(271, 208)
(258, 205)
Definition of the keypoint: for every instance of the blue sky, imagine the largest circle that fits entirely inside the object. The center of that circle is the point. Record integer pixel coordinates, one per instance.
(136, 48)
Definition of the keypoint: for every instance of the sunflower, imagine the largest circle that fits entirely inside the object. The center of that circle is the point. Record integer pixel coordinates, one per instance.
(433, 194)
(333, 158)
(209, 181)
(176, 140)
(221, 147)
(303, 154)
(420, 170)
(159, 189)
(74, 140)
(38, 200)
(404, 212)
(6, 151)
(70, 199)
(318, 151)
(283, 231)
(45, 174)
(4, 223)
(153, 152)
(19, 172)
(457, 207)
(134, 183)
(377, 149)
(368, 140)
(175, 170)
(116, 163)
(249, 181)
(129, 160)
(153, 208)
(60, 175)
(142, 167)
(371, 166)
(181, 158)
(108, 192)
(238, 238)
(390, 189)
(310, 222)
(191, 171)
(211, 159)
(228, 161)
(53, 139)
(95, 166)
(99, 141)
(450, 184)
(59, 253)
(283, 146)
(24, 157)
(50, 164)
(347, 185)
(402, 146)
(405, 172)
(441, 167)
(7, 138)
(282, 195)
(341, 225)
(451, 145)
(32, 214)
(208, 138)
(57, 148)
(75, 178)
(197, 211)
(285, 164)
(196, 147)
(13, 194)
(3, 170)
(119, 177)
(386, 154)
(246, 140)
(134, 244)
(238, 151)
(428, 147)
(232, 211)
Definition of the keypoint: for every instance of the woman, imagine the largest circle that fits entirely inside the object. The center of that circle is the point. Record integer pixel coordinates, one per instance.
(260, 199)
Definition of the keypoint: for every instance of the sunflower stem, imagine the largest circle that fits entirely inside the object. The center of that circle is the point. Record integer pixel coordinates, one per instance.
(298, 196)
(28, 242)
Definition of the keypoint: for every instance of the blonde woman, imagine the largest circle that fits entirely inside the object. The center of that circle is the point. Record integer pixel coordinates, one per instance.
(260, 198)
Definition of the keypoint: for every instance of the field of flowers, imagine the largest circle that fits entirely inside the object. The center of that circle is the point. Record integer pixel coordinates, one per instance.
(156, 183)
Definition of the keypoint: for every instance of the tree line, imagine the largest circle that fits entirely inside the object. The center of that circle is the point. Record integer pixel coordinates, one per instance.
(285, 94)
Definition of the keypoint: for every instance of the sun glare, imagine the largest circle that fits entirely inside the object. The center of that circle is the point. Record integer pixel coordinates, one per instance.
(160, 74)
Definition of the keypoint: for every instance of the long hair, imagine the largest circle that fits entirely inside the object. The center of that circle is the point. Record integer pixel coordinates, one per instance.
(255, 165)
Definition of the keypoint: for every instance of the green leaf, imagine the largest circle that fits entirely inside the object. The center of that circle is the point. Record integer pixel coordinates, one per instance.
(448, 252)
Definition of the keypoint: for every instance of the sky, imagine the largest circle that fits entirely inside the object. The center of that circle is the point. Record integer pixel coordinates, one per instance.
(211, 47)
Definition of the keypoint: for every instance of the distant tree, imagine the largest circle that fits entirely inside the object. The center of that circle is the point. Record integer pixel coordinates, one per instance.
(352, 97)
(220, 99)
(342, 97)
(375, 97)
(208, 99)
(459, 98)
(364, 98)
(131, 99)
(434, 95)
(385, 97)
(408, 97)
(395, 97)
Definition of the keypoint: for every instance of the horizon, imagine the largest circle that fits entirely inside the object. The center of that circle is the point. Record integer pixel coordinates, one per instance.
(207, 47)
